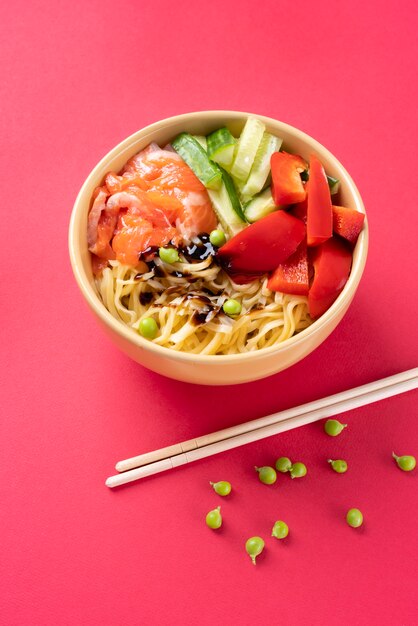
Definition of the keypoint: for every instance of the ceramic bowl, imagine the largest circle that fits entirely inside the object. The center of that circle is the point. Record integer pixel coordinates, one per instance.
(219, 369)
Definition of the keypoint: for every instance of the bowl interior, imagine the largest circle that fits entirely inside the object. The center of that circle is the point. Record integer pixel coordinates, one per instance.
(202, 123)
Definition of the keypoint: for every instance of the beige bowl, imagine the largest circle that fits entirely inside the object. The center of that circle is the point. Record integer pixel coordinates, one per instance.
(211, 370)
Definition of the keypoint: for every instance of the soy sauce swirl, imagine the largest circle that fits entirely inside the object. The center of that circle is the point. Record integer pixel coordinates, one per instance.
(145, 297)
(199, 252)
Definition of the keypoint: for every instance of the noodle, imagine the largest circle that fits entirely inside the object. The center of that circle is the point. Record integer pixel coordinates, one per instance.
(186, 301)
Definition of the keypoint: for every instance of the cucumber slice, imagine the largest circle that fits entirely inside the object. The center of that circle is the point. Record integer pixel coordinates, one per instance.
(196, 158)
(202, 140)
(260, 206)
(334, 185)
(232, 192)
(261, 166)
(239, 185)
(247, 147)
(221, 145)
(227, 206)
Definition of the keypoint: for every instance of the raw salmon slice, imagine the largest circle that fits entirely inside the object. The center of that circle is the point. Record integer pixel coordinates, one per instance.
(140, 226)
(134, 234)
(167, 174)
(116, 183)
(156, 199)
(101, 225)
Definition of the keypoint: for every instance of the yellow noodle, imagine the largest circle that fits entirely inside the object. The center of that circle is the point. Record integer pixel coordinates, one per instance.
(266, 319)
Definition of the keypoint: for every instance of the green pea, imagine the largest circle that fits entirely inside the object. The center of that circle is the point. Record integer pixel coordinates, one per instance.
(283, 464)
(354, 518)
(222, 488)
(266, 474)
(232, 307)
(338, 466)
(168, 255)
(148, 328)
(406, 463)
(214, 518)
(217, 238)
(298, 470)
(334, 427)
(254, 546)
(280, 530)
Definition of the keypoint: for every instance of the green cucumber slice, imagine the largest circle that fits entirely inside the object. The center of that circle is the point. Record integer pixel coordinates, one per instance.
(202, 140)
(239, 186)
(247, 147)
(259, 206)
(221, 145)
(196, 158)
(227, 206)
(232, 192)
(334, 185)
(261, 166)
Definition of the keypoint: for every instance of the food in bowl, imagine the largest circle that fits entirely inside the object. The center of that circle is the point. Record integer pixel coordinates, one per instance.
(220, 245)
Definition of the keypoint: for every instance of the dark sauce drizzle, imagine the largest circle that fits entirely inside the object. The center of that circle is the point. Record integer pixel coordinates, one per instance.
(199, 252)
(207, 311)
(200, 317)
(145, 297)
(148, 254)
(193, 252)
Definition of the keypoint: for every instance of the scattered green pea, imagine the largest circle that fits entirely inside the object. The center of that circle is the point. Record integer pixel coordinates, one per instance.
(168, 255)
(338, 466)
(283, 464)
(148, 328)
(280, 530)
(222, 488)
(298, 470)
(354, 518)
(232, 307)
(254, 546)
(217, 238)
(334, 427)
(266, 474)
(406, 463)
(214, 518)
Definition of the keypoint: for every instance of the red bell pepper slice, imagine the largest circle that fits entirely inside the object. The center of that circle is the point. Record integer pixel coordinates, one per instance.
(319, 224)
(262, 246)
(331, 263)
(287, 186)
(347, 222)
(292, 275)
(300, 210)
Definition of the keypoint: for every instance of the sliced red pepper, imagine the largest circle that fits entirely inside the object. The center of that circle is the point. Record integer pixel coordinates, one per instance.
(347, 222)
(319, 223)
(331, 263)
(287, 186)
(300, 210)
(262, 246)
(292, 275)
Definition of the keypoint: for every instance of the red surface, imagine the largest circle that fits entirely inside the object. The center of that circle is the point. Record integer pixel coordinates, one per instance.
(77, 78)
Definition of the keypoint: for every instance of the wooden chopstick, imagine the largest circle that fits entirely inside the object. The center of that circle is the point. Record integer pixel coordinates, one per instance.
(202, 447)
(192, 444)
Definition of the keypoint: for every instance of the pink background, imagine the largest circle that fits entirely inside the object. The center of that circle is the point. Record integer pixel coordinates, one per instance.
(78, 77)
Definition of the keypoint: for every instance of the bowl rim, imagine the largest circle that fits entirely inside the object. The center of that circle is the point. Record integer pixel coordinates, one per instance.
(127, 333)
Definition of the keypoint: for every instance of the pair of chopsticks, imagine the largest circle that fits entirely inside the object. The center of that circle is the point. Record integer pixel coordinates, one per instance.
(228, 438)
